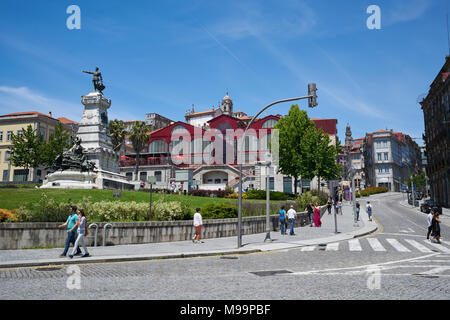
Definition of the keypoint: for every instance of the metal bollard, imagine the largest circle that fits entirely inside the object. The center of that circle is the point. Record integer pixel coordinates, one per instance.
(96, 232)
(104, 232)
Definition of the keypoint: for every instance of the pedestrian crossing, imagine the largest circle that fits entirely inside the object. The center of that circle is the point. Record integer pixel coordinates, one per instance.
(384, 245)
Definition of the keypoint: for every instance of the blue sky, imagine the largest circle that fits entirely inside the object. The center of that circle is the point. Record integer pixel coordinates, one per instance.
(164, 56)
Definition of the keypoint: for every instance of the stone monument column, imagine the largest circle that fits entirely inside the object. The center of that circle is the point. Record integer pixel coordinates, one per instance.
(94, 132)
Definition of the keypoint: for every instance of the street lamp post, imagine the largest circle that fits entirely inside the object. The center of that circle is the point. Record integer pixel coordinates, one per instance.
(312, 102)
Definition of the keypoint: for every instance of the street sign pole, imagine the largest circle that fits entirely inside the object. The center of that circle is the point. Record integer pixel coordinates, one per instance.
(151, 181)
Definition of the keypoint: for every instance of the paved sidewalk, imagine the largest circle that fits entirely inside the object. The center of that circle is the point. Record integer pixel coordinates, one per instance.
(219, 246)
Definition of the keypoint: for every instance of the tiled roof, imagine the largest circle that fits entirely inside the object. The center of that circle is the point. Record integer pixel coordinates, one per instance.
(66, 121)
(28, 113)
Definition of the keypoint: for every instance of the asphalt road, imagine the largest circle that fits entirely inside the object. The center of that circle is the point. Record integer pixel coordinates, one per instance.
(394, 263)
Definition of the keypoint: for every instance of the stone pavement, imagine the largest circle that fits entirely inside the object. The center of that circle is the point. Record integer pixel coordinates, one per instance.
(305, 236)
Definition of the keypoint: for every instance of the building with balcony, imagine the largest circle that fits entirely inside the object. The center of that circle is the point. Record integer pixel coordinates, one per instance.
(389, 158)
(436, 113)
(212, 163)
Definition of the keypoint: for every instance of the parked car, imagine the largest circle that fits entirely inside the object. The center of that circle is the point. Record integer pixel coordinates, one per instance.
(416, 202)
(430, 204)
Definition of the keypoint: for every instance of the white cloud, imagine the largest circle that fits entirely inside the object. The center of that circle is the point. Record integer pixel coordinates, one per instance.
(404, 11)
(249, 19)
(22, 99)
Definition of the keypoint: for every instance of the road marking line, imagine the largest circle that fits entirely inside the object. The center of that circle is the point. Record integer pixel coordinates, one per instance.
(397, 245)
(436, 270)
(366, 266)
(354, 245)
(332, 246)
(375, 244)
(418, 246)
(309, 248)
(438, 246)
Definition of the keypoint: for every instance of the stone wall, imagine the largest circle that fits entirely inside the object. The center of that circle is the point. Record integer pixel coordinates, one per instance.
(46, 234)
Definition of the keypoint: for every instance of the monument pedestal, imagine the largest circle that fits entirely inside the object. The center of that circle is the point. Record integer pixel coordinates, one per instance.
(70, 179)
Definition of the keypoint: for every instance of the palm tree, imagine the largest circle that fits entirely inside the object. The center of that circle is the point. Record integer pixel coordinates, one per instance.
(139, 138)
(118, 132)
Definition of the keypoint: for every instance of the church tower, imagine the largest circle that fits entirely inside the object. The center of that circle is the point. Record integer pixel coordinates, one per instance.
(227, 105)
(348, 135)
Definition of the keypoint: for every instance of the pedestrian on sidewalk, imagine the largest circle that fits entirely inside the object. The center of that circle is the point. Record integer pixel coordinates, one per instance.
(317, 222)
(357, 210)
(339, 205)
(369, 210)
(310, 209)
(283, 221)
(81, 225)
(430, 223)
(198, 223)
(70, 223)
(436, 232)
(329, 203)
(291, 216)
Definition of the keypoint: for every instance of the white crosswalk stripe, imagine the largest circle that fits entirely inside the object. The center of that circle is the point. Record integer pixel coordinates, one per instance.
(333, 246)
(397, 245)
(354, 245)
(375, 244)
(438, 246)
(418, 246)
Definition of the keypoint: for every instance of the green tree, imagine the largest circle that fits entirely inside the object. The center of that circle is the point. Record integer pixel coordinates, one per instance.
(57, 142)
(325, 157)
(139, 138)
(420, 180)
(296, 135)
(27, 149)
(118, 132)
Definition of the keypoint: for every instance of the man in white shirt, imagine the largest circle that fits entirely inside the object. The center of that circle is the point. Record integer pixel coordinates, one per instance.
(429, 222)
(198, 226)
(291, 216)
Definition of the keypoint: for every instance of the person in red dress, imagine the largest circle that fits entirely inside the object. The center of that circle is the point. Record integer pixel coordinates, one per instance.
(317, 222)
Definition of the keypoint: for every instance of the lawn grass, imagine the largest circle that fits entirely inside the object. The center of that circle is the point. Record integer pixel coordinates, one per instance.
(13, 198)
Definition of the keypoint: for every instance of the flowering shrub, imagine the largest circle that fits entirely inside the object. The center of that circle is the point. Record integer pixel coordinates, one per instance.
(209, 193)
(8, 215)
(168, 211)
(235, 195)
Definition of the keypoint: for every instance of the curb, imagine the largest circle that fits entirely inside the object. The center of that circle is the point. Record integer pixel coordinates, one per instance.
(66, 261)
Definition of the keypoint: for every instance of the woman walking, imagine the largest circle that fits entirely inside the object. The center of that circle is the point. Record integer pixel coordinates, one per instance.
(317, 222)
(329, 203)
(82, 228)
(357, 210)
(436, 229)
(283, 221)
(339, 205)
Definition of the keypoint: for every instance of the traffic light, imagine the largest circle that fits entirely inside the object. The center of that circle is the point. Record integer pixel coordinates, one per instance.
(312, 93)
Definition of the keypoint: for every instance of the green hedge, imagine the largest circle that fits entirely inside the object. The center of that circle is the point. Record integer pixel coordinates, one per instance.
(218, 211)
(261, 195)
(372, 190)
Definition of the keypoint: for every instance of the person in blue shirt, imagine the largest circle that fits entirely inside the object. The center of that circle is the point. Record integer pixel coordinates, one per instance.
(283, 221)
(70, 223)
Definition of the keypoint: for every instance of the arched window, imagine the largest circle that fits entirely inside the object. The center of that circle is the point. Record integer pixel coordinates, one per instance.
(158, 146)
(269, 124)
